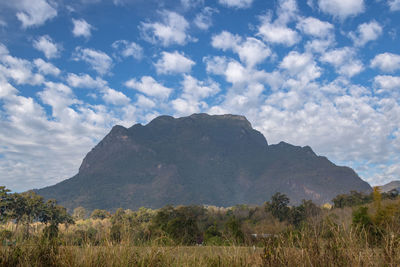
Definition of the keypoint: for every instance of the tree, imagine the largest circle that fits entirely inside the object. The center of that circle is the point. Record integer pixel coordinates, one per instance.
(353, 199)
(100, 214)
(278, 206)
(4, 203)
(79, 213)
(52, 216)
(233, 228)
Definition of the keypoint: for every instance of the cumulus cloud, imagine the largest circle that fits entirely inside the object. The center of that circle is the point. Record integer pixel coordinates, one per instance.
(34, 13)
(344, 60)
(148, 86)
(301, 65)
(111, 96)
(193, 91)
(187, 4)
(128, 49)
(386, 83)
(279, 34)
(342, 8)
(6, 89)
(196, 89)
(46, 45)
(387, 62)
(145, 102)
(366, 32)
(174, 62)
(81, 28)
(98, 60)
(171, 30)
(203, 20)
(236, 3)
(315, 27)
(251, 51)
(17, 69)
(33, 142)
(85, 81)
(46, 68)
(394, 5)
(59, 97)
(278, 31)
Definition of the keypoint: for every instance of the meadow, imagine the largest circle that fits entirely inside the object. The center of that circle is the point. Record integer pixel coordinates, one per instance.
(359, 230)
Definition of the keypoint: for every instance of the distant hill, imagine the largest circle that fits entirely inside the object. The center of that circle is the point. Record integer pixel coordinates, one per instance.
(389, 186)
(199, 159)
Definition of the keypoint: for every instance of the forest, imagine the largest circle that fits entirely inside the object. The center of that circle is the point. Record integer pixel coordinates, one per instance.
(358, 229)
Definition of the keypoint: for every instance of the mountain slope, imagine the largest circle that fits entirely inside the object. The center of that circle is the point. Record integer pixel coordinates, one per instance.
(199, 159)
(390, 186)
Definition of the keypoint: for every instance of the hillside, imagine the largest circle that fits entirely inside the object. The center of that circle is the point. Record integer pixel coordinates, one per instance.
(390, 186)
(199, 159)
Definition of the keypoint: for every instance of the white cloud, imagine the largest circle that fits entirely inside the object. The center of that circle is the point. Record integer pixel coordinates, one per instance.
(128, 49)
(203, 20)
(386, 62)
(98, 60)
(278, 34)
(195, 89)
(46, 45)
(366, 32)
(171, 30)
(187, 4)
(235, 73)
(387, 83)
(342, 8)
(215, 65)
(145, 102)
(46, 68)
(6, 89)
(344, 60)
(3, 50)
(225, 40)
(184, 107)
(3, 23)
(33, 144)
(287, 11)
(59, 97)
(319, 45)
(315, 27)
(236, 3)
(301, 65)
(34, 13)
(111, 96)
(174, 62)
(251, 51)
(85, 81)
(19, 70)
(81, 28)
(394, 5)
(149, 86)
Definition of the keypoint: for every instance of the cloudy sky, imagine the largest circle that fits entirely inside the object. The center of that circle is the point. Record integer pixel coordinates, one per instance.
(324, 73)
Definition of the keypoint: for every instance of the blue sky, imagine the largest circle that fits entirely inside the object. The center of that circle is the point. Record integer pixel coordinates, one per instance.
(324, 73)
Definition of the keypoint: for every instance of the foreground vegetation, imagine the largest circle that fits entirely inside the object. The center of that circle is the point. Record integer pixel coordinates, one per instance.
(360, 230)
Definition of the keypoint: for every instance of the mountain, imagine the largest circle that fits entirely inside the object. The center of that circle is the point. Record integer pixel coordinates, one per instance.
(200, 159)
(389, 186)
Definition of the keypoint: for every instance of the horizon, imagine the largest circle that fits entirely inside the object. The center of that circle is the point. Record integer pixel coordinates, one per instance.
(318, 73)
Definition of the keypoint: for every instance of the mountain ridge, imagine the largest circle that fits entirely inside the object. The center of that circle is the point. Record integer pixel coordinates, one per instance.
(199, 159)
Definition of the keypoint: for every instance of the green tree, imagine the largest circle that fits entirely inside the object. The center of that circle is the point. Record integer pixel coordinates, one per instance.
(5, 200)
(278, 206)
(233, 230)
(53, 215)
(100, 214)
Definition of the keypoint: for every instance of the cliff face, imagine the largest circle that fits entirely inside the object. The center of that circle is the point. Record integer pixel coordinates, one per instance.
(199, 159)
